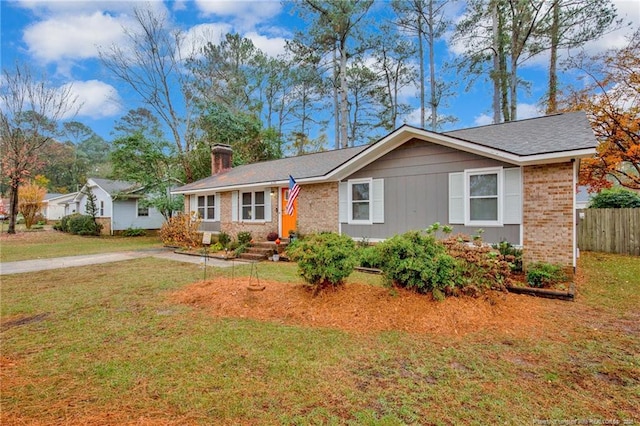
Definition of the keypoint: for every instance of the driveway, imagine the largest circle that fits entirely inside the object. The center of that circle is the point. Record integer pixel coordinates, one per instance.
(36, 265)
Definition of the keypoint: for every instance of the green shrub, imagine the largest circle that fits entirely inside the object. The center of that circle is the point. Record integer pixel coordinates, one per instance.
(324, 259)
(417, 261)
(64, 222)
(216, 247)
(83, 225)
(240, 248)
(244, 237)
(224, 239)
(615, 198)
(370, 257)
(134, 232)
(543, 274)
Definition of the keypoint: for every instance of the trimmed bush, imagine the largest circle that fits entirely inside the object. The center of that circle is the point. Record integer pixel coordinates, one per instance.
(543, 274)
(134, 232)
(84, 225)
(370, 257)
(615, 198)
(324, 260)
(417, 261)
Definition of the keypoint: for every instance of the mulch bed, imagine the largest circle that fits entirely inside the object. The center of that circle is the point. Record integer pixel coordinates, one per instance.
(362, 308)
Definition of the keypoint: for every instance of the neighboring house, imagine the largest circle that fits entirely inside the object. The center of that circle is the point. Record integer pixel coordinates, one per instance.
(56, 205)
(119, 205)
(515, 180)
(583, 197)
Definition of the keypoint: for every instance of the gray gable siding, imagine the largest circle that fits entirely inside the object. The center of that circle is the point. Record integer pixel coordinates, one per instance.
(416, 177)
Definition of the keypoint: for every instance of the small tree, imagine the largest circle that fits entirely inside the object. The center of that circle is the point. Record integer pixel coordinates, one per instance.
(31, 202)
(92, 204)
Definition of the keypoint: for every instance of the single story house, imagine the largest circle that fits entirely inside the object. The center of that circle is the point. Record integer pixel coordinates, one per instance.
(119, 205)
(515, 180)
(56, 206)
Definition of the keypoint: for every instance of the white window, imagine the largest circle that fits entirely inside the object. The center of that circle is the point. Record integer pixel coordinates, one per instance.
(252, 206)
(143, 211)
(485, 197)
(207, 207)
(484, 193)
(362, 201)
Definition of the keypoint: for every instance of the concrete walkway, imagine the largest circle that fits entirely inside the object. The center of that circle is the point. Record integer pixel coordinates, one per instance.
(36, 265)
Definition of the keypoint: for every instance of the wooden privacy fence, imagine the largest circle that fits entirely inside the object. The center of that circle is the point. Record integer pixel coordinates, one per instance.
(609, 230)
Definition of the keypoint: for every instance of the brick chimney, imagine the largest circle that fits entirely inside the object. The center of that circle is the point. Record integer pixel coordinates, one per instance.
(221, 158)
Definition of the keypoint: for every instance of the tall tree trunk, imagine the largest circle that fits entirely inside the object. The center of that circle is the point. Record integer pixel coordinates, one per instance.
(336, 101)
(421, 54)
(552, 103)
(344, 111)
(495, 75)
(432, 70)
(502, 59)
(13, 207)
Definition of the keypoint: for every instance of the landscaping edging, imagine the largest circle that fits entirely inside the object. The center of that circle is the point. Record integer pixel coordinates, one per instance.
(530, 291)
(544, 292)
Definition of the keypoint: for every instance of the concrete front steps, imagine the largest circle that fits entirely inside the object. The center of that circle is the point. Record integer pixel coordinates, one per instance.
(261, 251)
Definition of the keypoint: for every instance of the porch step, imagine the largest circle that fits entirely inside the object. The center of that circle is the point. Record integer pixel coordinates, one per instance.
(261, 250)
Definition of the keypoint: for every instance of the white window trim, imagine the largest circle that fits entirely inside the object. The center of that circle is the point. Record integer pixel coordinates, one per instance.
(267, 206)
(467, 196)
(138, 206)
(350, 184)
(216, 207)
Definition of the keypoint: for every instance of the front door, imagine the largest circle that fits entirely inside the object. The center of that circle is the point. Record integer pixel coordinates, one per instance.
(288, 221)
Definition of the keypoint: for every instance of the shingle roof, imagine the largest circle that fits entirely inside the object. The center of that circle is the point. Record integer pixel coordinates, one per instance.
(114, 187)
(542, 135)
(300, 167)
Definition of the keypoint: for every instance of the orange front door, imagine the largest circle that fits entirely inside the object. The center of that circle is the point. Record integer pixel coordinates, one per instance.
(288, 221)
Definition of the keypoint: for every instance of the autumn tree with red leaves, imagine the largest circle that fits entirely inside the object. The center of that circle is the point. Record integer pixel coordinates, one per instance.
(29, 115)
(612, 100)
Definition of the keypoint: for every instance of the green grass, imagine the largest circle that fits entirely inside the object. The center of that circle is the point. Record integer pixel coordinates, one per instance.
(49, 244)
(107, 346)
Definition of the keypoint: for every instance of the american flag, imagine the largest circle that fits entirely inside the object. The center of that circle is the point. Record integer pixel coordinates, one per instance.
(294, 190)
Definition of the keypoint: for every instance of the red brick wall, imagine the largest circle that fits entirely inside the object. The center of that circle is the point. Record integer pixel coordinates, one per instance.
(548, 214)
(318, 208)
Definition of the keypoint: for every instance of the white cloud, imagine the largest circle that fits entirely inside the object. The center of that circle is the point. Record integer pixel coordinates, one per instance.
(271, 46)
(72, 36)
(528, 111)
(198, 36)
(246, 14)
(413, 118)
(482, 120)
(97, 99)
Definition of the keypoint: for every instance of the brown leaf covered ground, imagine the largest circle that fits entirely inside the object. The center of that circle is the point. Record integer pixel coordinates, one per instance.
(364, 308)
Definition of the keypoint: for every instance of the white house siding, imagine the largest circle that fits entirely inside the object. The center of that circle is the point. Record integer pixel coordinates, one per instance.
(126, 216)
(101, 196)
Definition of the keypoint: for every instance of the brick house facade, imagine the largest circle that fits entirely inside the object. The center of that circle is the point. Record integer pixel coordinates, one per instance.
(356, 190)
(548, 214)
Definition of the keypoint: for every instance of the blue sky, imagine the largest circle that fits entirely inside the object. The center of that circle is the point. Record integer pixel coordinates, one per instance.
(62, 37)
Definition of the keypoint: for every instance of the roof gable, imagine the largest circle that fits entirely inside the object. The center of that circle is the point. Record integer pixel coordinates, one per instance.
(550, 139)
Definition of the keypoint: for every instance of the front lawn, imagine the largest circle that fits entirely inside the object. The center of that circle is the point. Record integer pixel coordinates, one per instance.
(109, 344)
(47, 244)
